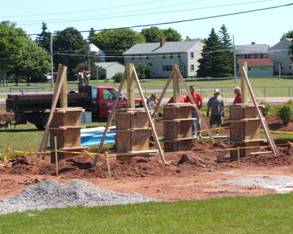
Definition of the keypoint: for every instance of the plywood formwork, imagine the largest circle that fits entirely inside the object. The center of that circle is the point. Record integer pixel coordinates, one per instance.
(178, 123)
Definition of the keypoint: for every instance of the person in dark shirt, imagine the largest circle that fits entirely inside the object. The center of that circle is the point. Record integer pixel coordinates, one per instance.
(216, 106)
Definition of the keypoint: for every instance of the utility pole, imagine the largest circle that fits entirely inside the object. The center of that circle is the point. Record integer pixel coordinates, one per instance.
(234, 60)
(52, 62)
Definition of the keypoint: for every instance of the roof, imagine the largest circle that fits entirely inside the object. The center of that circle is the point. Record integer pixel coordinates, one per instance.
(96, 49)
(155, 48)
(252, 49)
(256, 62)
(106, 65)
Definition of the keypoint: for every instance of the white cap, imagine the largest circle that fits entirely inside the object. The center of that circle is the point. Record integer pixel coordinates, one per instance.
(216, 91)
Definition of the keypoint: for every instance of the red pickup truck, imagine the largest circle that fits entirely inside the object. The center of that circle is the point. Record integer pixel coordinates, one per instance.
(34, 108)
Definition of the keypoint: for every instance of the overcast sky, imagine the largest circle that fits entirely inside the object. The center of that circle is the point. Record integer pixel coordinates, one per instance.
(260, 27)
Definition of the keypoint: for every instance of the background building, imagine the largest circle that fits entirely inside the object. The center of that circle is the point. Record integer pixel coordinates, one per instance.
(106, 70)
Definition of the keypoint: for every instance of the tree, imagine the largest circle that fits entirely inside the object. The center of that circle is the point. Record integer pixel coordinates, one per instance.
(143, 71)
(172, 34)
(115, 41)
(226, 56)
(44, 38)
(70, 49)
(152, 34)
(35, 63)
(288, 34)
(209, 64)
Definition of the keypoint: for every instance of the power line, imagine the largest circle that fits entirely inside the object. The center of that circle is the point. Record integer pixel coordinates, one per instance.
(82, 19)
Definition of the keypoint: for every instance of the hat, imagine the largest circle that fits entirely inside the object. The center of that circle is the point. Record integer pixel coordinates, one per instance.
(237, 88)
(216, 91)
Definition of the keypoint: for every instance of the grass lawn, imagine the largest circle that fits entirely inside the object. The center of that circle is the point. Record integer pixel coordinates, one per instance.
(267, 214)
(264, 87)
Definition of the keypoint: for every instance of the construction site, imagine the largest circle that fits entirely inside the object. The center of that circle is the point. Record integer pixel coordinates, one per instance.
(157, 155)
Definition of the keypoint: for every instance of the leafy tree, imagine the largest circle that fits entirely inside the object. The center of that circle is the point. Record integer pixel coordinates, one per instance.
(152, 34)
(44, 38)
(35, 63)
(288, 34)
(209, 64)
(115, 41)
(143, 71)
(172, 34)
(70, 49)
(226, 65)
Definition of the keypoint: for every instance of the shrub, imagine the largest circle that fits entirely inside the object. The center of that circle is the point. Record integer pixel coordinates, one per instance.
(117, 77)
(265, 107)
(285, 113)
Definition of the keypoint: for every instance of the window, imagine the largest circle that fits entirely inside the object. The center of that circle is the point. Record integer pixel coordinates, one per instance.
(191, 55)
(167, 67)
(109, 94)
(132, 58)
(171, 56)
(255, 56)
(164, 56)
(192, 67)
(178, 55)
(261, 56)
(147, 57)
(249, 68)
(263, 68)
(150, 64)
(139, 57)
(248, 56)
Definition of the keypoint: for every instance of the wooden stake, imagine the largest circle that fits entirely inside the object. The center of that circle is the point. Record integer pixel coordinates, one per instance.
(260, 115)
(63, 93)
(176, 90)
(178, 73)
(130, 86)
(110, 118)
(62, 70)
(242, 83)
(149, 116)
(56, 156)
(108, 164)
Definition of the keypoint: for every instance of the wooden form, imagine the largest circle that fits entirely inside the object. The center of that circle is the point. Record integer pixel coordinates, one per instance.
(245, 122)
(133, 140)
(177, 76)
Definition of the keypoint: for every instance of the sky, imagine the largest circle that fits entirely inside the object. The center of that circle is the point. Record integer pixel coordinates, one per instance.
(260, 27)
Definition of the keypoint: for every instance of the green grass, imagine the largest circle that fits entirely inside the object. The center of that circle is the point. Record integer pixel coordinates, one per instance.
(266, 214)
(263, 87)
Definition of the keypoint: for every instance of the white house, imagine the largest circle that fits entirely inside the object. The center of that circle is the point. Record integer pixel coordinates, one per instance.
(160, 56)
(109, 69)
(281, 57)
(101, 54)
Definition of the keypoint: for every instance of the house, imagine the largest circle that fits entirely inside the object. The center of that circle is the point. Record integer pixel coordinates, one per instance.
(160, 56)
(101, 54)
(257, 58)
(279, 53)
(106, 70)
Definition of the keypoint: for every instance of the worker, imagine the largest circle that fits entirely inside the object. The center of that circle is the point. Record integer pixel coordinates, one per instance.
(237, 92)
(152, 102)
(198, 101)
(216, 106)
(181, 99)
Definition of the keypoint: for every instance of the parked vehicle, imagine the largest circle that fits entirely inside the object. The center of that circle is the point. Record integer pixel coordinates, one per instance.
(34, 108)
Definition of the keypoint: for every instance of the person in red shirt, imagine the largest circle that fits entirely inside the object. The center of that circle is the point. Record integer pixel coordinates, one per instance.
(198, 100)
(237, 99)
(181, 99)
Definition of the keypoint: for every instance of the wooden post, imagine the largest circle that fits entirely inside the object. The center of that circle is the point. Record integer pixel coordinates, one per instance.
(59, 82)
(110, 118)
(149, 117)
(56, 156)
(243, 69)
(178, 73)
(63, 93)
(108, 163)
(130, 86)
(163, 94)
(260, 115)
(176, 90)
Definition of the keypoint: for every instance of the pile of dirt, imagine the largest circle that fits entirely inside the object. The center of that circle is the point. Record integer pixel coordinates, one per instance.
(203, 157)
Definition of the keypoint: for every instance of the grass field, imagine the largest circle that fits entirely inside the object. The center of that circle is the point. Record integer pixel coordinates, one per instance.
(267, 214)
(264, 87)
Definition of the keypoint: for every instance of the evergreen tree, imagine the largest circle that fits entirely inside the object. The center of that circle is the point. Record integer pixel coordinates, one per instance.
(226, 65)
(43, 39)
(209, 64)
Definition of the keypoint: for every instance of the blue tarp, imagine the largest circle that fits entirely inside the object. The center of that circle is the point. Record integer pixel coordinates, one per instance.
(93, 136)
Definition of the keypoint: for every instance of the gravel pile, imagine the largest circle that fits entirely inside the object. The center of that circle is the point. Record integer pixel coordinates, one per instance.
(51, 194)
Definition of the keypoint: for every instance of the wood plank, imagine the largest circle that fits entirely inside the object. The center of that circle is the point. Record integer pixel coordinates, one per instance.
(62, 70)
(130, 86)
(242, 120)
(261, 152)
(242, 83)
(176, 88)
(149, 117)
(260, 115)
(63, 93)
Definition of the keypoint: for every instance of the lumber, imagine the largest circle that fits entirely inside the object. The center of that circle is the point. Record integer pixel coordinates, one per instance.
(110, 118)
(260, 115)
(261, 152)
(176, 91)
(130, 86)
(149, 116)
(176, 68)
(242, 83)
(61, 77)
(63, 94)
